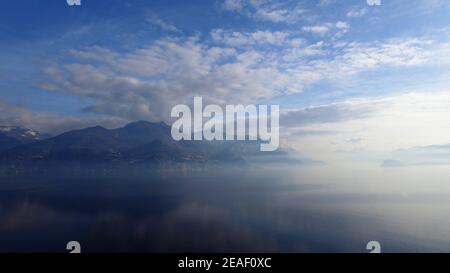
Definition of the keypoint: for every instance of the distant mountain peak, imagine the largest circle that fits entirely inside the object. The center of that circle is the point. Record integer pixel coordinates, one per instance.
(98, 127)
(12, 136)
(20, 133)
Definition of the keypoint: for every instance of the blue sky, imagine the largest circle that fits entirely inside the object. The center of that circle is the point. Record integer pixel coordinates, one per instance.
(335, 67)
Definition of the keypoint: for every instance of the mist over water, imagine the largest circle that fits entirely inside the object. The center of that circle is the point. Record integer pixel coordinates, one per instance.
(265, 209)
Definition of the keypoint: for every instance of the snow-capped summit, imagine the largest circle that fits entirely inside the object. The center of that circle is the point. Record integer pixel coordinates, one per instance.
(22, 135)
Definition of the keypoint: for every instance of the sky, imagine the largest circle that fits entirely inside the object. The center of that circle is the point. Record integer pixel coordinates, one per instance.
(355, 82)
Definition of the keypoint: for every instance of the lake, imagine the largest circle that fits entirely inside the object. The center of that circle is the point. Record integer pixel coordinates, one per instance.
(304, 209)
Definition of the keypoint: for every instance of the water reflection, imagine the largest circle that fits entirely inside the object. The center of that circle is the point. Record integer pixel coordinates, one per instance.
(221, 211)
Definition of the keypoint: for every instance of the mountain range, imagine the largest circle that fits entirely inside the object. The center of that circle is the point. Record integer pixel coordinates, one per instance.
(139, 143)
(136, 143)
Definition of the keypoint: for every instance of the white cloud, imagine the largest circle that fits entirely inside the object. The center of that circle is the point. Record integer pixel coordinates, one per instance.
(238, 67)
(355, 13)
(246, 38)
(155, 20)
(146, 83)
(274, 15)
(342, 26)
(319, 29)
(232, 5)
(325, 28)
(263, 10)
(356, 57)
(331, 113)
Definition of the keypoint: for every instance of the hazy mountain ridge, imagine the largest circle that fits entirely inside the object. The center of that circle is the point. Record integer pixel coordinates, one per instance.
(137, 144)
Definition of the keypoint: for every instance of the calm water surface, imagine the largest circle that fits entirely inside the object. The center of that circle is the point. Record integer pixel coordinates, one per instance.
(297, 210)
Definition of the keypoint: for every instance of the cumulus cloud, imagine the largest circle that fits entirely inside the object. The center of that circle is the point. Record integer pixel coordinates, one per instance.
(146, 83)
(235, 67)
